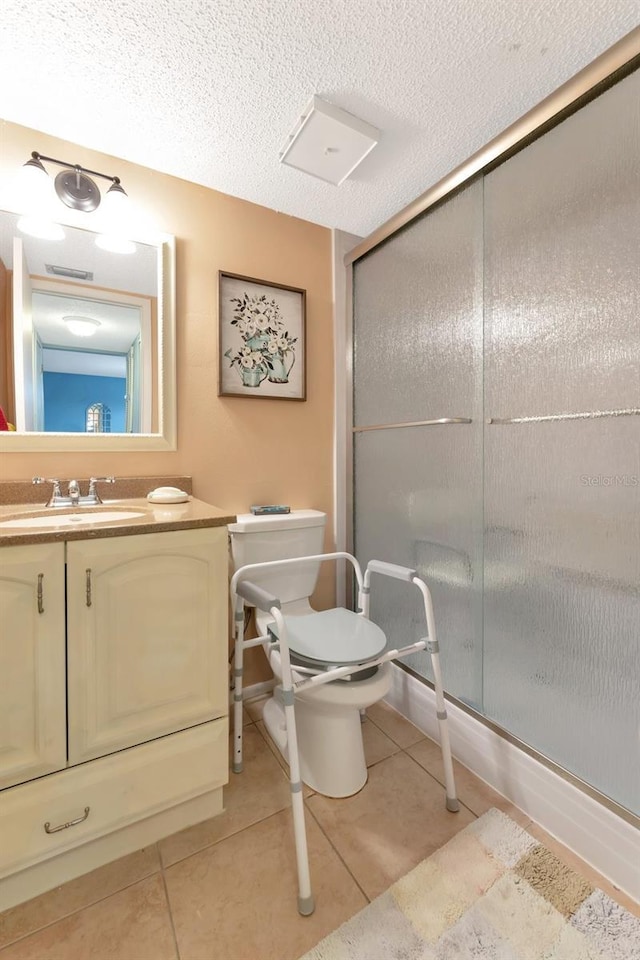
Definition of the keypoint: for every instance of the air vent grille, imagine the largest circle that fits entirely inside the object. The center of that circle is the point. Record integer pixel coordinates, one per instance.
(70, 272)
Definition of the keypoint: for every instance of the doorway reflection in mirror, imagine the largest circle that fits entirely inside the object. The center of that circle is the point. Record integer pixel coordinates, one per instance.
(60, 291)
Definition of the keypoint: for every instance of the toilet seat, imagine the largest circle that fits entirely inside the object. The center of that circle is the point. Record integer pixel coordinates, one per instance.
(330, 638)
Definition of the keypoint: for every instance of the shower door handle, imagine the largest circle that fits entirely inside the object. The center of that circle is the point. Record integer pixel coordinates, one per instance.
(442, 421)
(556, 417)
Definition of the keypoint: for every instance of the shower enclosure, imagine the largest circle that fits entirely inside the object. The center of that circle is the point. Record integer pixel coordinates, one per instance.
(496, 437)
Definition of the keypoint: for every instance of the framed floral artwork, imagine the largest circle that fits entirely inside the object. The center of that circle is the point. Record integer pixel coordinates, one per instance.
(262, 345)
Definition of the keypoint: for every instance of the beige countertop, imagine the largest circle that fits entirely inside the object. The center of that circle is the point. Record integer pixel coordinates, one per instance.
(156, 518)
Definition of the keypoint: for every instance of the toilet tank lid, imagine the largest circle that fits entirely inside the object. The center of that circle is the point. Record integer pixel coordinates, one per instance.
(249, 523)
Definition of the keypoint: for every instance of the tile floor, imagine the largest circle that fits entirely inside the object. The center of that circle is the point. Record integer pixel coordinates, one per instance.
(225, 889)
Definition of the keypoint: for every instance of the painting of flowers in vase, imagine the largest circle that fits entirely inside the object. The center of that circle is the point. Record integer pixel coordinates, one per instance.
(262, 339)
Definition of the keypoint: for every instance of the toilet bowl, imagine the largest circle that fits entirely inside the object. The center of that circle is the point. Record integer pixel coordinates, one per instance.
(328, 723)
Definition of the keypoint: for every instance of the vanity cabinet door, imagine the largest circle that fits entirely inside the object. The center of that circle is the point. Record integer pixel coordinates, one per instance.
(147, 637)
(32, 662)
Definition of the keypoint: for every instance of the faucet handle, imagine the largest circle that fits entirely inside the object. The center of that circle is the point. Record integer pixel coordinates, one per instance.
(53, 480)
(55, 493)
(92, 486)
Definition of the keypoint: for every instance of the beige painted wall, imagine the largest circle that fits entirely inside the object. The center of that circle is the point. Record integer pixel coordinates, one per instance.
(239, 451)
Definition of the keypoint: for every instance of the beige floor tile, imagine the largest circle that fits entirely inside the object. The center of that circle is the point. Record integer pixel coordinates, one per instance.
(584, 869)
(391, 825)
(133, 924)
(394, 724)
(238, 900)
(259, 791)
(377, 745)
(477, 795)
(28, 917)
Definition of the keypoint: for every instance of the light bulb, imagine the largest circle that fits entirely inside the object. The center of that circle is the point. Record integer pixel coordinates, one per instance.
(114, 243)
(41, 228)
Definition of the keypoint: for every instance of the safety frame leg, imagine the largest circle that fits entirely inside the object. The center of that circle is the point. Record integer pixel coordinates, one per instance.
(306, 903)
(452, 803)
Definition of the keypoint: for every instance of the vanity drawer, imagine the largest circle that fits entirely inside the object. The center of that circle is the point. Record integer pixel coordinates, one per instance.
(116, 790)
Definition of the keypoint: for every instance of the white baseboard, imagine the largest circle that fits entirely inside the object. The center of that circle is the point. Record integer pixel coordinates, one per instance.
(256, 690)
(604, 840)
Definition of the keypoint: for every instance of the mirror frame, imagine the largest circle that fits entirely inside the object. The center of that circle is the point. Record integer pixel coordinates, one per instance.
(166, 438)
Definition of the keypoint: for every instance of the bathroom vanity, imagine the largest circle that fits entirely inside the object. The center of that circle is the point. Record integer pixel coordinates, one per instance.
(113, 683)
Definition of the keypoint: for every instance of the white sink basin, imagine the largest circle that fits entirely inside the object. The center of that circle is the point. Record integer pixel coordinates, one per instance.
(70, 519)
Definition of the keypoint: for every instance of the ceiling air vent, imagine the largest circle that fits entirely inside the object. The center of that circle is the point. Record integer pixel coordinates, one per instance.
(328, 142)
(68, 272)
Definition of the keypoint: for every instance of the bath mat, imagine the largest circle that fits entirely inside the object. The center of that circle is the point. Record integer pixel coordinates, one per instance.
(491, 893)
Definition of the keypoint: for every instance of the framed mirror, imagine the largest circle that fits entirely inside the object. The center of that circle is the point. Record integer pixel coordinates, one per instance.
(87, 337)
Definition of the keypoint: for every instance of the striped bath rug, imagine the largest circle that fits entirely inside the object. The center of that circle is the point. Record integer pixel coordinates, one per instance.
(491, 893)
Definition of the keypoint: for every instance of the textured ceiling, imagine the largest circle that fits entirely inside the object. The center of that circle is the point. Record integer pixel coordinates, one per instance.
(208, 90)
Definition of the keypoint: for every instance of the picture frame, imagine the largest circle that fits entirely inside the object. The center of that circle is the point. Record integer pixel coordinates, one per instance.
(261, 339)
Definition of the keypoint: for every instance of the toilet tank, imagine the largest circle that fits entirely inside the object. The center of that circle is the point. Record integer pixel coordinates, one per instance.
(279, 537)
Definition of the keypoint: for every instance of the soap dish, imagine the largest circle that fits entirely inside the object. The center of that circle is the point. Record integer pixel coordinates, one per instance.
(167, 495)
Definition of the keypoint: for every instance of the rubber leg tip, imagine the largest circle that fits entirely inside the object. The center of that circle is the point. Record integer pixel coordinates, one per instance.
(306, 906)
(238, 767)
(452, 805)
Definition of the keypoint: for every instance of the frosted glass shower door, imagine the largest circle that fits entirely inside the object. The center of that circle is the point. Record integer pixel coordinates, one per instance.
(418, 489)
(562, 495)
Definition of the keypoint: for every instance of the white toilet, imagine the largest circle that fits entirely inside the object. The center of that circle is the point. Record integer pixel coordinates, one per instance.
(328, 717)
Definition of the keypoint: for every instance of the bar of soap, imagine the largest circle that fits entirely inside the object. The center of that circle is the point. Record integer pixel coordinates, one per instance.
(167, 495)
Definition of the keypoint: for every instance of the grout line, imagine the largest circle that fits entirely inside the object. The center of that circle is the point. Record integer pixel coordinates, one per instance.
(85, 906)
(170, 911)
(423, 736)
(440, 784)
(227, 836)
(337, 852)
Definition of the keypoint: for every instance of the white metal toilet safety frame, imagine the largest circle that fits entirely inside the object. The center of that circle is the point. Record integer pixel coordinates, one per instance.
(243, 590)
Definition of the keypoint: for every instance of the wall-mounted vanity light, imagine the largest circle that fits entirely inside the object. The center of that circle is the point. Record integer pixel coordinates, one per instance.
(73, 185)
(76, 188)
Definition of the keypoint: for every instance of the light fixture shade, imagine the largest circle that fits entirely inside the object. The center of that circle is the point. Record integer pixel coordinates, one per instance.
(117, 190)
(33, 186)
(116, 201)
(33, 168)
(82, 326)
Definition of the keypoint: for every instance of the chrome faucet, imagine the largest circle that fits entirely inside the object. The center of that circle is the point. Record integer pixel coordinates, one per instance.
(73, 498)
(73, 492)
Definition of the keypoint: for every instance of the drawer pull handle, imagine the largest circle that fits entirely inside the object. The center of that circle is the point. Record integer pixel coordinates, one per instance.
(63, 826)
(88, 586)
(40, 593)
